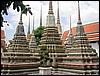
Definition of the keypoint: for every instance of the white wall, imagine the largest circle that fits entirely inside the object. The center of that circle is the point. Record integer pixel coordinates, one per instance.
(95, 46)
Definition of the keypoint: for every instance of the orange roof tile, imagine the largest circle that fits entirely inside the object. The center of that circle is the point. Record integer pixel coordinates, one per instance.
(65, 34)
(74, 30)
(2, 33)
(91, 30)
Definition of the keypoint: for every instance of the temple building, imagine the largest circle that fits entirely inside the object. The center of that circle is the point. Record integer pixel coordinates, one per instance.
(28, 33)
(18, 60)
(58, 20)
(92, 32)
(81, 60)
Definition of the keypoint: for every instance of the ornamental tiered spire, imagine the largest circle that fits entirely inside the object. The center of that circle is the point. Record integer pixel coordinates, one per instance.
(51, 40)
(19, 40)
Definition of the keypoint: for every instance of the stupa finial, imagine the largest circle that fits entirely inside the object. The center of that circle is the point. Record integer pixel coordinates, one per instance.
(50, 8)
(79, 18)
(33, 26)
(20, 22)
(29, 26)
(58, 18)
(70, 25)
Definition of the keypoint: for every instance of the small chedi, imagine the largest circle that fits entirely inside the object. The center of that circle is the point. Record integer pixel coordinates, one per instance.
(70, 40)
(18, 60)
(80, 60)
(32, 44)
(51, 40)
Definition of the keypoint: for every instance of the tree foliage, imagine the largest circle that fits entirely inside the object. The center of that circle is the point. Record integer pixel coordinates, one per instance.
(38, 34)
(94, 50)
(16, 5)
(44, 56)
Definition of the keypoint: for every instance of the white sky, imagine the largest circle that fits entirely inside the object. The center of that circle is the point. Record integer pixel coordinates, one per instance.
(89, 13)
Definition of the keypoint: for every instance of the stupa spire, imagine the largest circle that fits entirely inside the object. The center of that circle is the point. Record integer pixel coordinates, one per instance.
(20, 22)
(32, 43)
(33, 23)
(70, 25)
(29, 26)
(79, 18)
(41, 16)
(50, 18)
(58, 18)
(79, 28)
(28, 33)
(70, 35)
(20, 27)
(50, 8)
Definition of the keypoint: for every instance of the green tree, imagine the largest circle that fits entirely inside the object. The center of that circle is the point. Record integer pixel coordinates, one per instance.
(44, 56)
(94, 50)
(16, 5)
(38, 34)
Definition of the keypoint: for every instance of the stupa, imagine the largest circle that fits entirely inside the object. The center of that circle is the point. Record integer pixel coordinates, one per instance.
(81, 60)
(51, 38)
(18, 60)
(32, 44)
(70, 39)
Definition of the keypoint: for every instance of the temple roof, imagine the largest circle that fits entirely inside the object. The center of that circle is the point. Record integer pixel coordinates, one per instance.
(92, 31)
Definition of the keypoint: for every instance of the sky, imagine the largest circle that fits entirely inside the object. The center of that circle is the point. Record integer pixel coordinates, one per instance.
(89, 12)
